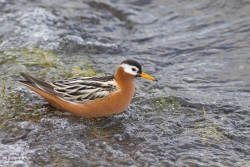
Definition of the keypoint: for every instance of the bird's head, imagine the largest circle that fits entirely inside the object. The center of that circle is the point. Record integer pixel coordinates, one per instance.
(134, 68)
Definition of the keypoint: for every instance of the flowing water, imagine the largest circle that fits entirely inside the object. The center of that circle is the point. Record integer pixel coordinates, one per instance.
(197, 114)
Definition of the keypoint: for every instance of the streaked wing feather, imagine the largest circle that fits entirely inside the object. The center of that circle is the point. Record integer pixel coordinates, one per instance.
(83, 89)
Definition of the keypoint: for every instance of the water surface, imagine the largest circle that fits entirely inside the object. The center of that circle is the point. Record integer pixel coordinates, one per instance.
(197, 114)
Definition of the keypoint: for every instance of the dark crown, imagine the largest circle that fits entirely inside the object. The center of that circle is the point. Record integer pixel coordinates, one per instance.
(133, 63)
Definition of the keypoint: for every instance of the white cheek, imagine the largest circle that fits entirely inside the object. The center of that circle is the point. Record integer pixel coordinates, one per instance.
(128, 69)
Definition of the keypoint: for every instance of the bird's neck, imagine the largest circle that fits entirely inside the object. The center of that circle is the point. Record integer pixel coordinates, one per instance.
(124, 80)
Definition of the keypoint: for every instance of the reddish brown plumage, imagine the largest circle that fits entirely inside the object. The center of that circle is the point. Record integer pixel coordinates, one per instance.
(115, 103)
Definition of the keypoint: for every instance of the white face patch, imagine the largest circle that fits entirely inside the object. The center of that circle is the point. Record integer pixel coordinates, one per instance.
(130, 69)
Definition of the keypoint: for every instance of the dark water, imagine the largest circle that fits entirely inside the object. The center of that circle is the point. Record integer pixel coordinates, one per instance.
(198, 50)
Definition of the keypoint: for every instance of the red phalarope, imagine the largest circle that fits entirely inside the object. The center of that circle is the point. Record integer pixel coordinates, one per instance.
(90, 96)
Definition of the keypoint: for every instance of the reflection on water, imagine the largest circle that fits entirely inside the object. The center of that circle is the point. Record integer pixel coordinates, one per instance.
(199, 51)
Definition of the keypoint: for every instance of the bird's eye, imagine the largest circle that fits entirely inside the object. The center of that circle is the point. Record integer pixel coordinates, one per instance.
(133, 69)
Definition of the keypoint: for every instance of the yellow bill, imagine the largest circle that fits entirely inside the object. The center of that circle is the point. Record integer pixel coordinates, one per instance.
(144, 75)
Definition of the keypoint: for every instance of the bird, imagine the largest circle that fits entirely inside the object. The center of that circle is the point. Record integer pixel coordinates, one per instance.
(90, 97)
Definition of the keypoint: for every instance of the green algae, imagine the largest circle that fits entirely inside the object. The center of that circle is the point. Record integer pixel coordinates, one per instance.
(3, 123)
(13, 108)
(159, 104)
(209, 133)
(99, 133)
(3, 88)
(171, 101)
(166, 103)
(38, 57)
(44, 62)
(29, 57)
